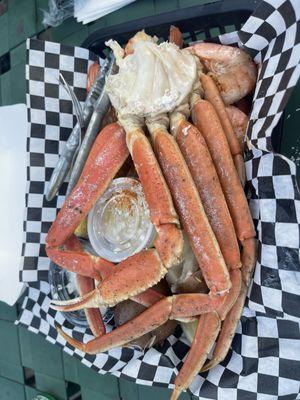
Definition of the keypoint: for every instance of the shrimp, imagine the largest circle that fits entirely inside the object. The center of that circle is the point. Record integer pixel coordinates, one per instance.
(231, 68)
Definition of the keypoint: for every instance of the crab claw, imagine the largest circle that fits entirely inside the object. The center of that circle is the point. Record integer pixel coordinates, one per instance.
(93, 315)
(89, 300)
(73, 342)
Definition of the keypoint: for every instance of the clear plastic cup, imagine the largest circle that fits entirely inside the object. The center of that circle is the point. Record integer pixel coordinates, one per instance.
(119, 224)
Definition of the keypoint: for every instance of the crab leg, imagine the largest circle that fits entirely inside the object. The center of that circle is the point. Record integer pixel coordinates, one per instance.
(175, 36)
(227, 331)
(249, 256)
(232, 189)
(198, 159)
(93, 315)
(212, 94)
(208, 328)
(200, 164)
(237, 203)
(169, 241)
(239, 121)
(172, 307)
(141, 268)
(232, 318)
(107, 155)
(196, 154)
(74, 259)
(190, 210)
(236, 280)
(147, 321)
(217, 144)
(206, 333)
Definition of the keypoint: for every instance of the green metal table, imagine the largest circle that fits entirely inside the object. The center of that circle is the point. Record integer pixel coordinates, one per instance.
(28, 364)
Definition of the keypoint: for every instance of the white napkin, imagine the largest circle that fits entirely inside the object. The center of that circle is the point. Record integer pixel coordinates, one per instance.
(13, 133)
(86, 11)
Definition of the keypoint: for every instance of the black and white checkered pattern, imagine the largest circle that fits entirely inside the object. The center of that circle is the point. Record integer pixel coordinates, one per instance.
(51, 120)
(264, 360)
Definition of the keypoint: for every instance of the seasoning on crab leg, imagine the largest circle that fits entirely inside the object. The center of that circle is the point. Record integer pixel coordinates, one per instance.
(199, 161)
(107, 155)
(74, 255)
(220, 152)
(212, 94)
(169, 242)
(196, 154)
(190, 208)
(216, 141)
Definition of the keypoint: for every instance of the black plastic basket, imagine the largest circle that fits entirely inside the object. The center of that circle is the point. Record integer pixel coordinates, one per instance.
(196, 23)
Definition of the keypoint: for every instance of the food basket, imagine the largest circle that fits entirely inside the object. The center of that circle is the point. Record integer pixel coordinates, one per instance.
(264, 359)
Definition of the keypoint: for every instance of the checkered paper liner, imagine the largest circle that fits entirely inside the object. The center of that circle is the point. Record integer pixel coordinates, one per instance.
(264, 359)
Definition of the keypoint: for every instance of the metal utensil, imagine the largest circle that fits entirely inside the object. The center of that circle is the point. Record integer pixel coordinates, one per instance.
(67, 157)
(78, 113)
(100, 109)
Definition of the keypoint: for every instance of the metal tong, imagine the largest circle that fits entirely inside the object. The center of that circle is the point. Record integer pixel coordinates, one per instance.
(100, 109)
(83, 117)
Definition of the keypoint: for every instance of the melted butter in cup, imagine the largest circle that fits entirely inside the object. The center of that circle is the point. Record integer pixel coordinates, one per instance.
(119, 224)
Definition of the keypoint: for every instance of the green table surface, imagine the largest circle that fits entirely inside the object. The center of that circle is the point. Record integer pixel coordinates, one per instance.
(28, 364)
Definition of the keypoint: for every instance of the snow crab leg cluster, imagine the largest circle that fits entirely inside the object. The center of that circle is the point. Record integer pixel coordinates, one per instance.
(191, 176)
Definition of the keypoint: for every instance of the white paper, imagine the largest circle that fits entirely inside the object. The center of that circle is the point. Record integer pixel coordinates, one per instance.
(13, 133)
(90, 10)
